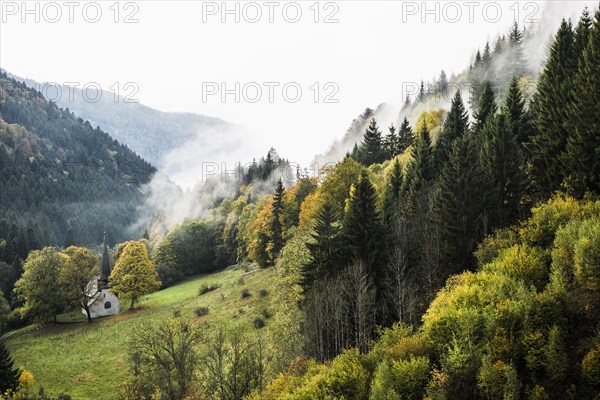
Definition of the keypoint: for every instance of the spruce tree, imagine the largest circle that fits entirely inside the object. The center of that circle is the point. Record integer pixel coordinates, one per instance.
(407, 102)
(405, 136)
(324, 248)
(551, 104)
(487, 107)
(501, 161)
(582, 33)
(362, 230)
(455, 126)
(458, 204)
(390, 143)
(582, 156)
(276, 225)
(422, 95)
(9, 376)
(371, 150)
(443, 84)
(391, 195)
(517, 116)
(517, 64)
(420, 168)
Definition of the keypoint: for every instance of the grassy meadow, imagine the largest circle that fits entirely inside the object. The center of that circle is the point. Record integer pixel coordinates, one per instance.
(89, 360)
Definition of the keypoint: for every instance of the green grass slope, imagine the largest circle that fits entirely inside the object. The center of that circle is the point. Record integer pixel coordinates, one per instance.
(89, 361)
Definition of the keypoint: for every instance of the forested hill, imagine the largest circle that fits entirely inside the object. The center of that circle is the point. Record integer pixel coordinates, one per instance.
(150, 133)
(57, 173)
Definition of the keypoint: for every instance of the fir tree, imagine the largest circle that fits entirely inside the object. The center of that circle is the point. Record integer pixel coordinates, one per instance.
(455, 126)
(501, 161)
(390, 142)
(9, 376)
(405, 136)
(391, 195)
(407, 102)
(420, 169)
(276, 225)
(487, 107)
(486, 58)
(422, 94)
(371, 150)
(457, 205)
(551, 103)
(517, 64)
(362, 229)
(443, 84)
(517, 116)
(582, 156)
(69, 237)
(582, 33)
(324, 248)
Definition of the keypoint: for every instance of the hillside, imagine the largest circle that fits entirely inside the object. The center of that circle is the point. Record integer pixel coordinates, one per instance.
(59, 172)
(88, 361)
(150, 133)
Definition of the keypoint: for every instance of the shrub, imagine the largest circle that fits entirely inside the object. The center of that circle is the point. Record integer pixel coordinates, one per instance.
(258, 323)
(537, 393)
(263, 293)
(265, 313)
(411, 377)
(207, 288)
(177, 313)
(590, 366)
(200, 311)
(245, 293)
(521, 262)
(587, 255)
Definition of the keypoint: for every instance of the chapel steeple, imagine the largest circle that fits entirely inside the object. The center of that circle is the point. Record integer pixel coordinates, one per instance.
(105, 272)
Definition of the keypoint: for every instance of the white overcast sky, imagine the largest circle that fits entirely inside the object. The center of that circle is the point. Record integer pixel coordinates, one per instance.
(372, 49)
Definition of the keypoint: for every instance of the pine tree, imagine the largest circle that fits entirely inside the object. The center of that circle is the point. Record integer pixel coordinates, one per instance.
(324, 248)
(422, 95)
(458, 204)
(9, 376)
(582, 33)
(455, 126)
(517, 116)
(362, 224)
(407, 102)
(420, 168)
(551, 103)
(487, 107)
(276, 225)
(371, 150)
(486, 58)
(405, 136)
(391, 195)
(390, 143)
(517, 64)
(582, 156)
(501, 160)
(443, 84)
(69, 237)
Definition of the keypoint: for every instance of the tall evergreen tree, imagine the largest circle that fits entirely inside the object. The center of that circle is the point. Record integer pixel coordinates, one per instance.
(324, 248)
(422, 95)
(420, 168)
(391, 195)
(582, 156)
(69, 237)
(517, 63)
(371, 150)
(362, 229)
(276, 220)
(443, 84)
(390, 142)
(582, 33)
(487, 107)
(9, 376)
(405, 136)
(458, 204)
(551, 104)
(501, 160)
(455, 126)
(517, 115)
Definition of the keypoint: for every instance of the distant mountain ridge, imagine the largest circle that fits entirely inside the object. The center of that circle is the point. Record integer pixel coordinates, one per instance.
(150, 133)
(60, 174)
